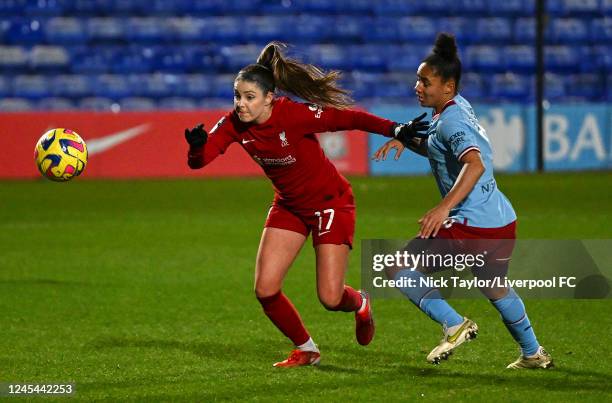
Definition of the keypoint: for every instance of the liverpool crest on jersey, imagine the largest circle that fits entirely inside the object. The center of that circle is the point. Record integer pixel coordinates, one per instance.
(283, 139)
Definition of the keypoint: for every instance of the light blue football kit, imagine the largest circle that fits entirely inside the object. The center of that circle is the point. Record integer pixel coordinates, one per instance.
(454, 132)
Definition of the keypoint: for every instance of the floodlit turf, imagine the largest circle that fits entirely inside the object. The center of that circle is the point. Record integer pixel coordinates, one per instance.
(142, 290)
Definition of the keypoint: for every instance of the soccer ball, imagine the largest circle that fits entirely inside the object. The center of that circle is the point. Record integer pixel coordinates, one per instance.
(60, 155)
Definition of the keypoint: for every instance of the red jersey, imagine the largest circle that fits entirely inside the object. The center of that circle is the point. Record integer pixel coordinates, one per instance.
(288, 151)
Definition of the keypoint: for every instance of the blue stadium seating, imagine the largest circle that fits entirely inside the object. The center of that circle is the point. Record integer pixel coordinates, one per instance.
(140, 54)
(96, 104)
(512, 87)
(13, 59)
(494, 30)
(31, 86)
(137, 104)
(16, 105)
(568, 31)
(65, 31)
(56, 104)
(112, 86)
(601, 30)
(586, 86)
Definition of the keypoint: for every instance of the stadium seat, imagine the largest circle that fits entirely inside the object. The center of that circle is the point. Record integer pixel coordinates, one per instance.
(170, 59)
(396, 7)
(40, 8)
(266, 29)
(216, 103)
(395, 86)
(5, 87)
(203, 59)
(184, 29)
(350, 29)
(318, 6)
(71, 85)
(65, 31)
(49, 58)
(361, 84)
(406, 58)
(96, 59)
(472, 7)
(225, 30)
(136, 104)
(606, 7)
(244, 7)
(177, 103)
(561, 59)
(525, 30)
(134, 59)
(104, 30)
(601, 30)
(16, 105)
(31, 86)
(99, 104)
(486, 59)
(129, 7)
(416, 29)
(276, 7)
(55, 104)
(24, 32)
(152, 85)
(205, 7)
(609, 88)
(458, 26)
(87, 7)
(12, 7)
(568, 31)
(330, 57)
(513, 87)
(146, 31)
(13, 58)
(472, 87)
(381, 29)
(312, 29)
(236, 57)
(554, 87)
(511, 8)
(436, 8)
(586, 86)
(368, 58)
(520, 58)
(196, 85)
(111, 86)
(577, 7)
(223, 87)
(493, 30)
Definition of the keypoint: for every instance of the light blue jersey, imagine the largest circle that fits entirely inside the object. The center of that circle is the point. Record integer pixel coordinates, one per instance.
(454, 132)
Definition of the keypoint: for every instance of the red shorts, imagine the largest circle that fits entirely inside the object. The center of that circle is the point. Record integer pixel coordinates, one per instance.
(493, 245)
(332, 224)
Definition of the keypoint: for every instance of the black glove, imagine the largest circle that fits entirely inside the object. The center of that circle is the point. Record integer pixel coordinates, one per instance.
(197, 136)
(404, 132)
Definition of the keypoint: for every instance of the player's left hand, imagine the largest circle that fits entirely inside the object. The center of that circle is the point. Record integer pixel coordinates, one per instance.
(416, 128)
(432, 221)
(382, 152)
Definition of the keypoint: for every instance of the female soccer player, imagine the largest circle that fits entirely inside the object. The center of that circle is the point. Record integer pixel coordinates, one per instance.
(472, 208)
(310, 194)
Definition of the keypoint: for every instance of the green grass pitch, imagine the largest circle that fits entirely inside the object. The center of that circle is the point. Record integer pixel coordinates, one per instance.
(142, 290)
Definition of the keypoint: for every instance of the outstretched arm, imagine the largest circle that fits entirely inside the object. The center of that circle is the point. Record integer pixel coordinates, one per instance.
(205, 147)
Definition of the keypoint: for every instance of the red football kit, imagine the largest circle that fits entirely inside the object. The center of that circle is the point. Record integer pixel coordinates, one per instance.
(310, 193)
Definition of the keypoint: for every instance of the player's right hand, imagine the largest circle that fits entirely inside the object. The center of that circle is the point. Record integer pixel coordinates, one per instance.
(197, 136)
(381, 153)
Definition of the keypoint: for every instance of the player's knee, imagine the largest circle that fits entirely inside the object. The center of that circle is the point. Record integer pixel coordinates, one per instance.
(266, 290)
(330, 300)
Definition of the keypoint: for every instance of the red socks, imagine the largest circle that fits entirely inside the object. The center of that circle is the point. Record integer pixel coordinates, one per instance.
(286, 318)
(350, 302)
